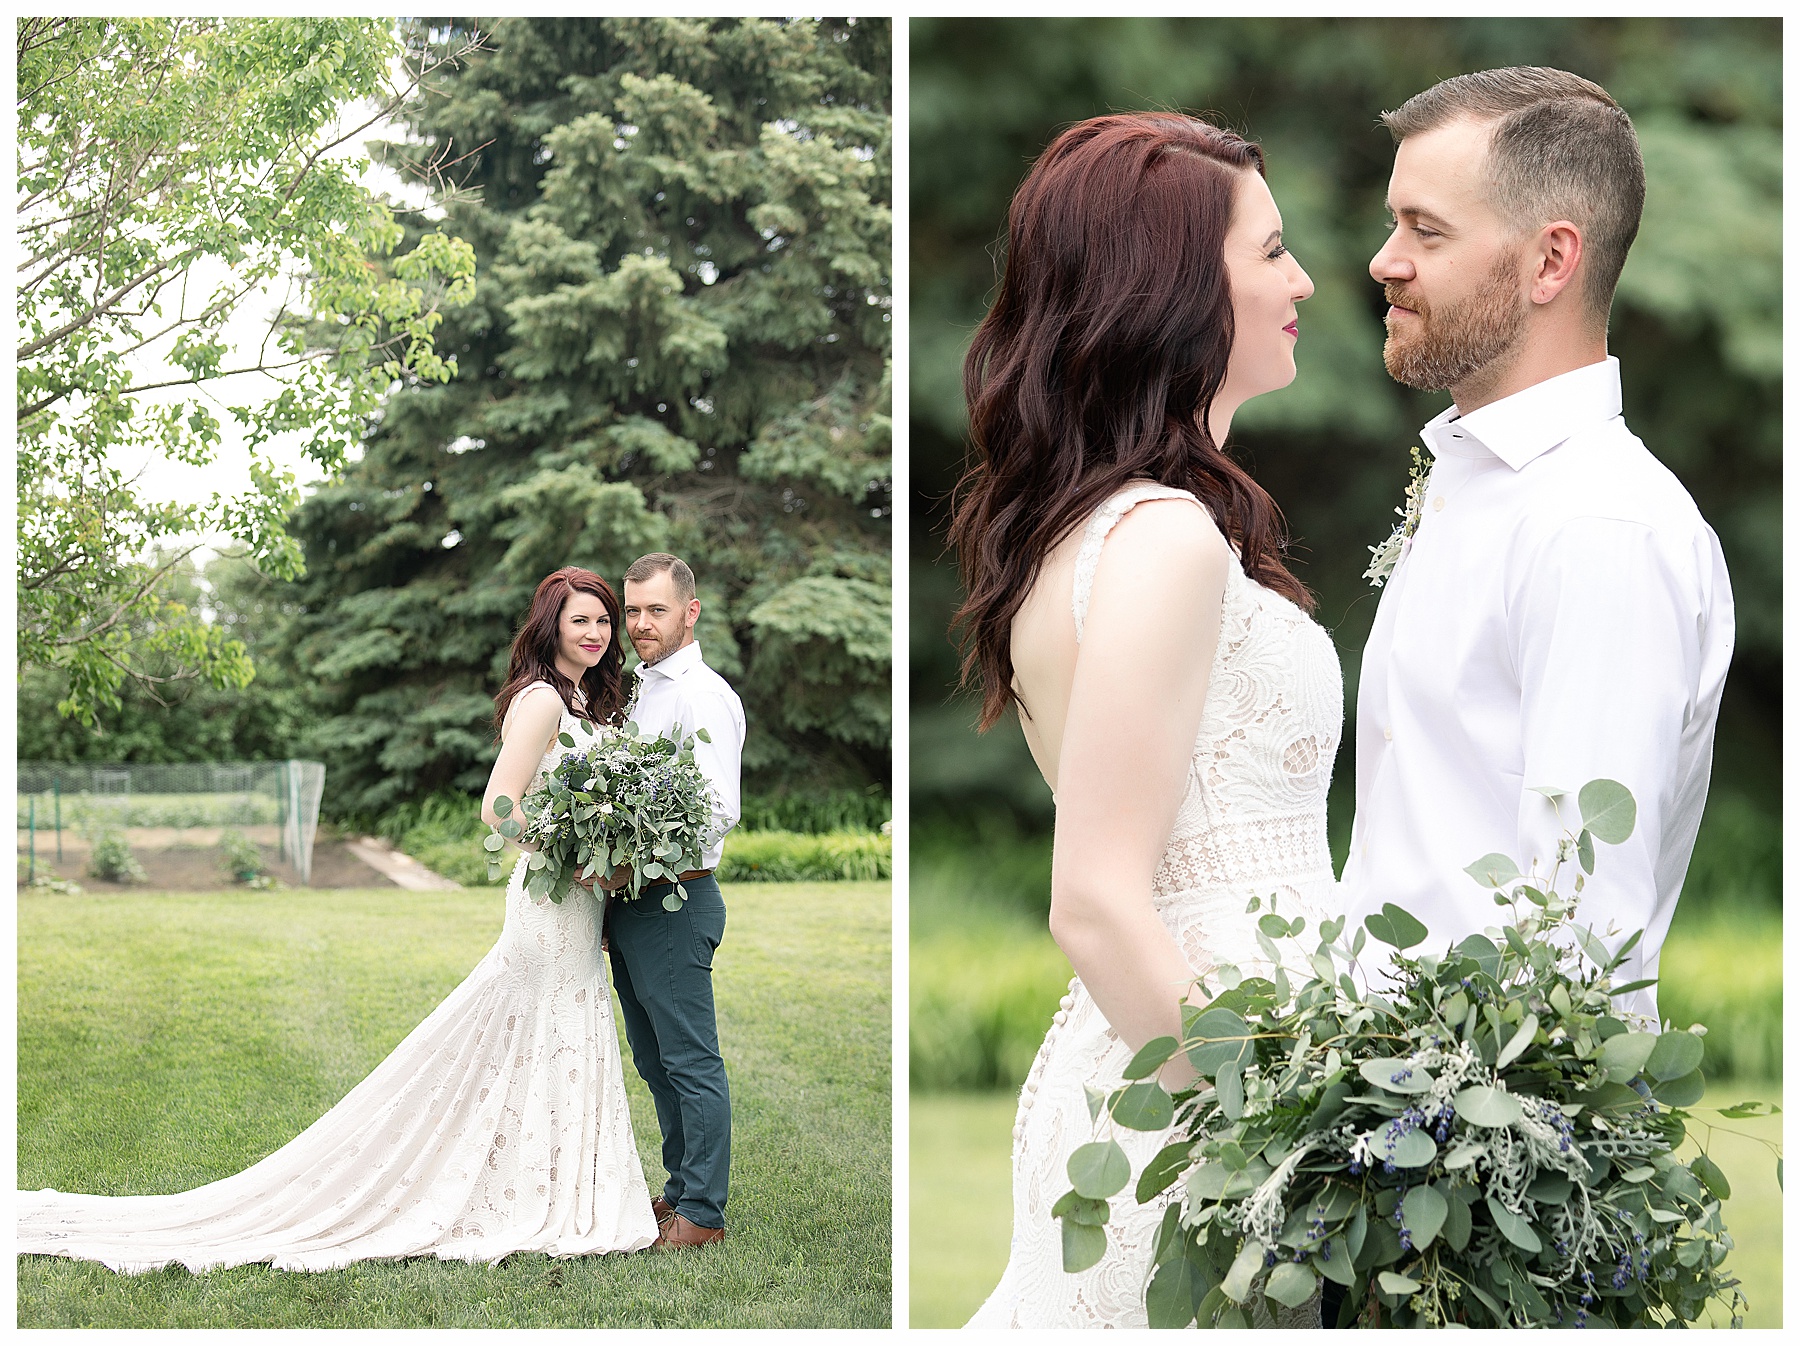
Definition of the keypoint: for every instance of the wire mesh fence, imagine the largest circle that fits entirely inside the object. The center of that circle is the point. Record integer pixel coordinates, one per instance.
(108, 812)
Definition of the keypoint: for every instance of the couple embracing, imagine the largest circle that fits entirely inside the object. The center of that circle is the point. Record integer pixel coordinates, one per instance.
(500, 1124)
(1553, 607)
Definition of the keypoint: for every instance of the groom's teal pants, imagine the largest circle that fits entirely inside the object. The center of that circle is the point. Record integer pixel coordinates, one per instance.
(662, 970)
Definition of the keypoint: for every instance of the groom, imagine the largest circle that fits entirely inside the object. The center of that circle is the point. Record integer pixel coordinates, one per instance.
(662, 960)
(1562, 611)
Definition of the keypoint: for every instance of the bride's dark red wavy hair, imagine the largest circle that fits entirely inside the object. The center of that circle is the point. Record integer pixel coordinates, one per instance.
(534, 650)
(1098, 363)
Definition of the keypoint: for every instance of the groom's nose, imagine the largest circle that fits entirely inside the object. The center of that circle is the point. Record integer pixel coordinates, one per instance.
(1389, 265)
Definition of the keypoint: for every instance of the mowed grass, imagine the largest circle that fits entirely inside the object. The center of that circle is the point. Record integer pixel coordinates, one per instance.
(961, 1200)
(166, 1040)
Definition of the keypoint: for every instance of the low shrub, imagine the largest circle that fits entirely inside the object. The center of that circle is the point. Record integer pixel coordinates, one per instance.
(241, 857)
(817, 811)
(792, 857)
(1721, 967)
(111, 858)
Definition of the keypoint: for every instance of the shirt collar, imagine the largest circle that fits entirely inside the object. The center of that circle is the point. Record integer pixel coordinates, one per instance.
(1534, 420)
(674, 665)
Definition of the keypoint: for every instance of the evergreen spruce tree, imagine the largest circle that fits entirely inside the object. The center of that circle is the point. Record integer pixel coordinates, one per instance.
(680, 342)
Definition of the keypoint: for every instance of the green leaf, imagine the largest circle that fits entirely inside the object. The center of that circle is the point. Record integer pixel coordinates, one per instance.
(1227, 1038)
(1493, 871)
(1291, 1283)
(1457, 1224)
(1749, 1109)
(1519, 1041)
(1483, 1105)
(1676, 1054)
(1396, 926)
(703, 736)
(503, 806)
(493, 841)
(1584, 851)
(1083, 1245)
(1356, 1231)
(1244, 1267)
(1682, 1092)
(1096, 1099)
(1712, 1175)
(1151, 1057)
(564, 739)
(1411, 1149)
(1424, 1208)
(1273, 926)
(1162, 1171)
(672, 901)
(1099, 1169)
(1144, 1106)
(1516, 1228)
(510, 828)
(1608, 811)
(1396, 1284)
(1230, 1086)
(1625, 1054)
(1396, 1076)
(1174, 1294)
(1483, 951)
(1083, 1210)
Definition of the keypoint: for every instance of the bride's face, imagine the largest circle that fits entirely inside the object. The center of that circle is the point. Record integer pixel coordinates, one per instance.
(1266, 285)
(583, 632)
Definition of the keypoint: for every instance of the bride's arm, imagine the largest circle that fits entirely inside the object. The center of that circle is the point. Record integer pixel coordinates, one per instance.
(1134, 711)
(523, 743)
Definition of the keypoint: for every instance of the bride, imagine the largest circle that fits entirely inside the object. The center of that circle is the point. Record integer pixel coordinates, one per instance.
(499, 1125)
(1126, 593)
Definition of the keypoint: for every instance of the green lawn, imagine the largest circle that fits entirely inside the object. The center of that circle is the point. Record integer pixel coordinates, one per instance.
(961, 1201)
(166, 1040)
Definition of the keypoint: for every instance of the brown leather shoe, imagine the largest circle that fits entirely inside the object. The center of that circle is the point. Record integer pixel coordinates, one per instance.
(662, 1210)
(681, 1232)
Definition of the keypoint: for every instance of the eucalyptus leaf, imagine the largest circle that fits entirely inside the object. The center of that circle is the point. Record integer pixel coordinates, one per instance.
(1226, 1038)
(1099, 1169)
(1493, 871)
(1396, 1076)
(503, 806)
(1625, 1054)
(1144, 1106)
(1151, 1057)
(1242, 1274)
(1520, 1040)
(1457, 1224)
(1081, 1209)
(510, 828)
(1516, 1228)
(1424, 1208)
(493, 841)
(564, 739)
(1083, 1245)
(672, 901)
(1291, 1284)
(1681, 1092)
(1396, 926)
(1410, 1148)
(1230, 1086)
(1608, 811)
(1396, 1284)
(1484, 1105)
(1675, 1054)
(1096, 1099)
(1162, 1171)
(1275, 927)
(1174, 1294)
(1584, 851)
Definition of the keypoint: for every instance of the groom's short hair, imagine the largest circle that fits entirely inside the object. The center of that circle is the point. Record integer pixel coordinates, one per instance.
(1562, 148)
(656, 563)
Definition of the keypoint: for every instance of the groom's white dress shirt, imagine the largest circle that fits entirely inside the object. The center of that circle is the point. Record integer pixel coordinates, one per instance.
(1561, 613)
(679, 689)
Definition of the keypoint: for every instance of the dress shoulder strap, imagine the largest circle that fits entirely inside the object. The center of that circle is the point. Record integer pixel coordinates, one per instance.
(519, 696)
(1099, 524)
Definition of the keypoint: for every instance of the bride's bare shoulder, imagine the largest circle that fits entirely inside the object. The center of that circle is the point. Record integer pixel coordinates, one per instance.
(1170, 532)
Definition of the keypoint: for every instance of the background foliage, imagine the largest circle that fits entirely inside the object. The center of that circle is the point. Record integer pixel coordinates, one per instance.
(680, 340)
(1696, 327)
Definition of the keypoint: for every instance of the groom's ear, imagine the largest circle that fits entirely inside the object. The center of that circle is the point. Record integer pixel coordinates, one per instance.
(1557, 254)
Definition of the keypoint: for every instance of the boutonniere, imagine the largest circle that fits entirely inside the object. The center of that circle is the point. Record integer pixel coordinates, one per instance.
(1384, 557)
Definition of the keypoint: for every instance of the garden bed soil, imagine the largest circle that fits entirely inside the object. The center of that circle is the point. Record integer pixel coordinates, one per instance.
(195, 869)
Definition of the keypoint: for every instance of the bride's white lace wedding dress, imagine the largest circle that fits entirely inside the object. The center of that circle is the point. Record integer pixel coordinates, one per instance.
(498, 1126)
(1252, 822)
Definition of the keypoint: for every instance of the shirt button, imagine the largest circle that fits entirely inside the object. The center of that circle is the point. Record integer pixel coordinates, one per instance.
(1388, 734)
(1438, 503)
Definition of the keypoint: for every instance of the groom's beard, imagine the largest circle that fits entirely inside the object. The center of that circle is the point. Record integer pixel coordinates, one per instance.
(1447, 346)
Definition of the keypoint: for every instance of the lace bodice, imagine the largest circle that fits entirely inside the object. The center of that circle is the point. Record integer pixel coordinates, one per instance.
(1251, 823)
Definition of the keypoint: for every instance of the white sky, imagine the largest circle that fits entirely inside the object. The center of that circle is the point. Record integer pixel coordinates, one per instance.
(163, 480)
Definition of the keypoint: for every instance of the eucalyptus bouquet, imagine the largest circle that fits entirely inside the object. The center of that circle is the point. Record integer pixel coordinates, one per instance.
(625, 799)
(1489, 1143)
